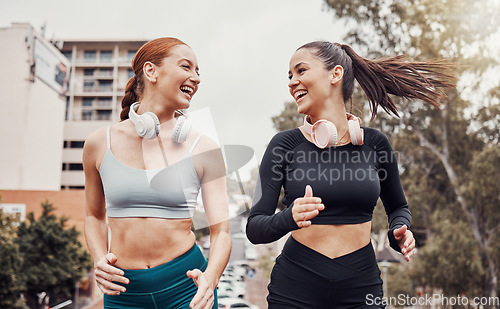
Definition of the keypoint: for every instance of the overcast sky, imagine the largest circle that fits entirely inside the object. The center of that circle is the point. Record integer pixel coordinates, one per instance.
(243, 47)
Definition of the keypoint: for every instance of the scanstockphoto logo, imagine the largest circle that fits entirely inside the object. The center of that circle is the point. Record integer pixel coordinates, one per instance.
(432, 300)
(331, 165)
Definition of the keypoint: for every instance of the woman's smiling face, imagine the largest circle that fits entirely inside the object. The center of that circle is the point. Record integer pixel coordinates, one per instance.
(178, 76)
(310, 83)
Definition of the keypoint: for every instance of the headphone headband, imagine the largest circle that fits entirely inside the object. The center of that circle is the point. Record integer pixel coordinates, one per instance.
(324, 132)
(147, 125)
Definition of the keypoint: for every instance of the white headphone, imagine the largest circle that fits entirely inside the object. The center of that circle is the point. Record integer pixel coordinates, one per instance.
(324, 132)
(147, 125)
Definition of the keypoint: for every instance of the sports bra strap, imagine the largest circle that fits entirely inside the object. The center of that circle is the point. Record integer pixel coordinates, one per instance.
(107, 137)
(194, 143)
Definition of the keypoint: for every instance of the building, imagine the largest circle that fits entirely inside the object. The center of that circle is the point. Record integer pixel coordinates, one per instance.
(100, 70)
(54, 94)
(33, 103)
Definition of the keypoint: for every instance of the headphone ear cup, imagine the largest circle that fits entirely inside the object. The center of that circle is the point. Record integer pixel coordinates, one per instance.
(181, 129)
(146, 125)
(324, 133)
(152, 125)
(355, 132)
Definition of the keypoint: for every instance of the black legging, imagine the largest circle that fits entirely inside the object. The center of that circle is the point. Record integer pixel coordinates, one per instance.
(303, 278)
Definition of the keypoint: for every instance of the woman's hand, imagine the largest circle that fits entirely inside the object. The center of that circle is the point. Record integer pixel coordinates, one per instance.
(405, 241)
(105, 273)
(305, 208)
(204, 298)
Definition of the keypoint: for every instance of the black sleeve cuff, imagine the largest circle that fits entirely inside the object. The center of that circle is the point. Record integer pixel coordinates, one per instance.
(288, 215)
(392, 240)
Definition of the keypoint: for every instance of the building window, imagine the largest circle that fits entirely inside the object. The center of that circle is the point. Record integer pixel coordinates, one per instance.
(88, 72)
(87, 114)
(76, 144)
(130, 73)
(106, 56)
(87, 101)
(63, 166)
(67, 54)
(67, 108)
(130, 55)
(104, 102)
(89, 56)
(89, 86)
(76, 187)
(103, 115)
(106, 86)
(107, 72)
(76, 167)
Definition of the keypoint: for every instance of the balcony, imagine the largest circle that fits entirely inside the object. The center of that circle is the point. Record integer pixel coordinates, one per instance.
(89, 63)
(93, 91)
(125, 61)
(99, 76)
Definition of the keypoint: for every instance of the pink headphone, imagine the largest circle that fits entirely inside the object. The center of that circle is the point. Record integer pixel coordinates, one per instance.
(324, 132)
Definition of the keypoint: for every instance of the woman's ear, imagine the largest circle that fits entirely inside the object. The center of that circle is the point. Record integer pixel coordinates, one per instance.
(149, 70)
(336, 74)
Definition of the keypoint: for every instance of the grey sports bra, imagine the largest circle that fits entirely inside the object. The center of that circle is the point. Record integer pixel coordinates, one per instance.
(128, 191)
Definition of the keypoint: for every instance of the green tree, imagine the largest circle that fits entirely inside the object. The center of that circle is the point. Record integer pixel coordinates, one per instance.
(289, 118)
(53, 258)
(438, 147)
(11, 280)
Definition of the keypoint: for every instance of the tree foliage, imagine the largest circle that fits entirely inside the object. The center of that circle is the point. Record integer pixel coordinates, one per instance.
(289, 118)
(12, 282)
(53, 258)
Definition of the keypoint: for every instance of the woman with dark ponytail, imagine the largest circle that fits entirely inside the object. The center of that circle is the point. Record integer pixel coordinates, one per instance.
(148, 257)
(333, 171)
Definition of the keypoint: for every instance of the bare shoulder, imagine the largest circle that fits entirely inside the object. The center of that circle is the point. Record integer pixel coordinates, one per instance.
(205, 144)
(94, 145)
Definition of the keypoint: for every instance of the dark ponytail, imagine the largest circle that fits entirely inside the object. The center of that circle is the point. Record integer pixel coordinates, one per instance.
(378, 78)
(153, 51)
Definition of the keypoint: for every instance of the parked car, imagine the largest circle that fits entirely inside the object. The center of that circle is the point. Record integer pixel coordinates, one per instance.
(250, 253)
(228, 303)
(235, 291)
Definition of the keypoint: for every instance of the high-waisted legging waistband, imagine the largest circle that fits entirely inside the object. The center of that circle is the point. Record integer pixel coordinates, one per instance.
(331, 269)
(165, 286)
(304, 278)
(164, 275)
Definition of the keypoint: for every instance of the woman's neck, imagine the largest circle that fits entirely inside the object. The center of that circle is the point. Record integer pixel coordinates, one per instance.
(335, 113)
(161, 110)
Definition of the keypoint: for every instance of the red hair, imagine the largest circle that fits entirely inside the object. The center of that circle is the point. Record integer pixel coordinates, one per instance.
(153, 51)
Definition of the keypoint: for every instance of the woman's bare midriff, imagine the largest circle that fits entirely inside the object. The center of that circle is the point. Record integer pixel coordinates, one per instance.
(140, 243)
(334, 240)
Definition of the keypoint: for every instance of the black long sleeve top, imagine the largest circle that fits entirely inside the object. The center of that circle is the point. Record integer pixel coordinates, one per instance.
(349, 180)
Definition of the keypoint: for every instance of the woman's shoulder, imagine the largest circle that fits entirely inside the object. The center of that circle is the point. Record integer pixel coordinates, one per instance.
(203, 142)
(96, 138)
(375, 138)
(288, 139)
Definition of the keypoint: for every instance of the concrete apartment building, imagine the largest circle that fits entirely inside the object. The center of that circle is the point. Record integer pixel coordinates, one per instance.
(54, 94)
(100, 70)
(33, 86)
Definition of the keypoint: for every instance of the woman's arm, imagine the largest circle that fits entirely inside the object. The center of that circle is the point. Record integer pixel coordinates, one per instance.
(96, 228)
(264, 225)
(215, 203)
(393, 198)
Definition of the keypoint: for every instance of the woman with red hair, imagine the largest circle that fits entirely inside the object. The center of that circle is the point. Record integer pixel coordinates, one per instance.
(151, 259)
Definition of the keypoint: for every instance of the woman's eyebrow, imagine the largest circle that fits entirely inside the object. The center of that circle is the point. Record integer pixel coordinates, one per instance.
(189, 61)
(296, 66)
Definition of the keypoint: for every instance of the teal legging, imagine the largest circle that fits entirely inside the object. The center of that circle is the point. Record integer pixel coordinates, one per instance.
(163, 286)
